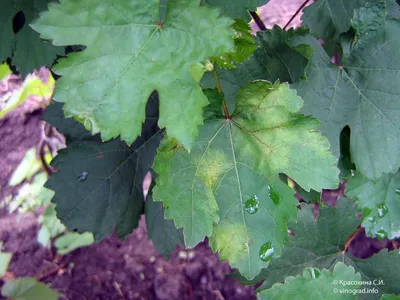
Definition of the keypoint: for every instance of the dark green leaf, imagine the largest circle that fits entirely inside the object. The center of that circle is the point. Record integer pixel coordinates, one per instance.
(99, 185)
(327, 19)
(362, 93)
(27, 50)
(72, 129)
(163, 233)
(321, 243)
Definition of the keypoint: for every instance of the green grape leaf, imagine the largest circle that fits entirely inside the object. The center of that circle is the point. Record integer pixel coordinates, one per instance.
(237, 8)
(36, 90)
(163, 233)
(274, 60)
(28, 167)
(51, 226)
(393, 8)
(380, 203)
(133, 55)
(321, 244)
(244, 46)
(361, 93)
(5, 259)
(316, 284)
(99, 185)
(24, 288)
(5, 71)
(327, 19)
(390, 297)
(7, 12)
(72, 241)
(26, 49)
(228, 186)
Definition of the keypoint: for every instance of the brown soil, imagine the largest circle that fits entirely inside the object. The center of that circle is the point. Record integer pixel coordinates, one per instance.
(115, 269)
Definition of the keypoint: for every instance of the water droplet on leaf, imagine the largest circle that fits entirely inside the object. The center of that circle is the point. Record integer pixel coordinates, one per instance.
(372, 220)
(266, 251)
(382, 210)
(83, 176)
(252, 204)
(381, 234)
(274, 195)
(398, 191)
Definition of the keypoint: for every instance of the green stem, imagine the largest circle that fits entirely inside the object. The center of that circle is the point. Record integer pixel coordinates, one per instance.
(219, 88)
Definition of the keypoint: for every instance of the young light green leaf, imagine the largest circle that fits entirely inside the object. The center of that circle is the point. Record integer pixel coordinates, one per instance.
(362, 93)
(130, 54)
(72, 241)
(380, 203)
(5, 259)
(321, 244)
(28, 167)
(27, 51)
(237, 8)
(4, 71)
(163, 233)
(51, 226)
(316, 284)
(99, 185)
(24, 288)
(234, 169)
(244, 46)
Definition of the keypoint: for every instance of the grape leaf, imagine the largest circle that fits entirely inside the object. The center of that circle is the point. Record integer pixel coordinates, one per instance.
(6, 30)
(234, 168)
(99, 185)
(274, 59)
(362, 93)
(316, 284)
(5, 258)
(237, 8)
(73, 240)
(4, 71)
(327, 19)
(244, 46)
(128, 56)
(380, 203)
(321, 244)
(390, 297)
(24, 288)
(51, 226)
(72, 129)
(163, 233)
(27, 50)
